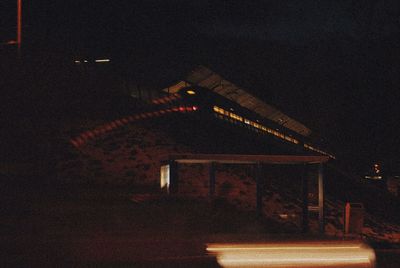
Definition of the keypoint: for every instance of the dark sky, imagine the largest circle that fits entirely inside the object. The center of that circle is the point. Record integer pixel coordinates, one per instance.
(334, 65)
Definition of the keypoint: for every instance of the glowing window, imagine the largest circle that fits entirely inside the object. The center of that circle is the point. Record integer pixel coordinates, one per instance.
(164, 177)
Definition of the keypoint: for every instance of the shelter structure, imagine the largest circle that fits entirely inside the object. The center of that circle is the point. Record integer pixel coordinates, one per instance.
(170, 175)
(206, 78)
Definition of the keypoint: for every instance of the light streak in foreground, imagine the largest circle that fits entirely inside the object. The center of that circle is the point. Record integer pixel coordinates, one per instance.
(295, 254)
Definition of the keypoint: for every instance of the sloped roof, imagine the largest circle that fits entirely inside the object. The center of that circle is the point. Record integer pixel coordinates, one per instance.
(204, 77)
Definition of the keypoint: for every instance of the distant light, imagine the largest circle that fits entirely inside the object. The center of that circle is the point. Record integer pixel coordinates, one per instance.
(191, 92)
(86, 61)
(102, 60)
(77, 61)
(195, 108)
(373, 177)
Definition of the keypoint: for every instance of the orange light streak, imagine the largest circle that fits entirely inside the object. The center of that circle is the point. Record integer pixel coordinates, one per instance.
(303, 254)
(83, 137)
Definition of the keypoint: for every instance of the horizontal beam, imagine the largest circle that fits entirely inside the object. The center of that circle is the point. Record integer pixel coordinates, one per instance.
(247, 159)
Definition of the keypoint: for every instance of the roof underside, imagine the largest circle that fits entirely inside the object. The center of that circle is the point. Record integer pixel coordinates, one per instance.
(204, 77)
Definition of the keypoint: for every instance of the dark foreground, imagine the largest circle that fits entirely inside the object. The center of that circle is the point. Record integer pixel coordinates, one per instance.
(102, 227)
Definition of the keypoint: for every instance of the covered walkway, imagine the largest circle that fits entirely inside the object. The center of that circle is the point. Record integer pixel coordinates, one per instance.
(174, 160)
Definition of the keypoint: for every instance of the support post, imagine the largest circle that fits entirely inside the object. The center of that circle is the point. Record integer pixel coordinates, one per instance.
(258, 189)
(321, 217)
(304, 184)
(174, 178)
(211, 173)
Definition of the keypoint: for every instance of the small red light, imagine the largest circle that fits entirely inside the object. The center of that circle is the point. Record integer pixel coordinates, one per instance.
(175, 109)
(195, 108)
(189, 109)
(181, 109)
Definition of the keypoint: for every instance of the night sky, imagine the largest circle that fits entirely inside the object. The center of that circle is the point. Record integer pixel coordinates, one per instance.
(333, 65)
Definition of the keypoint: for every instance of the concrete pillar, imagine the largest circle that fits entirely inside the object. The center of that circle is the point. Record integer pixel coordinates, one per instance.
(174, 177)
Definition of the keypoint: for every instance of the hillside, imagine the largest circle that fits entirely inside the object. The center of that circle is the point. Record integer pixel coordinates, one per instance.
(131, 156)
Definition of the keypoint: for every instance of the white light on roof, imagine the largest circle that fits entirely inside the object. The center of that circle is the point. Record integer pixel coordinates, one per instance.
(102, 60)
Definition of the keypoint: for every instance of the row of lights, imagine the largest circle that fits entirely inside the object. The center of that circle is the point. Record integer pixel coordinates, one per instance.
(276, 133)
(84, 137)
(255, 125)
(309, 147)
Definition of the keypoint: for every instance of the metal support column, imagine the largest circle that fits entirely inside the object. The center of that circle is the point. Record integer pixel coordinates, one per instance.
(259, 185)
(321, 199)
(304, 184)
(174, 177)
(211, 173)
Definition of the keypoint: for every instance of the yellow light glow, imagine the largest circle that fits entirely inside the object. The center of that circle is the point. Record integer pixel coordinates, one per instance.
(190, 92)
(255, 125)
(164, 176)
